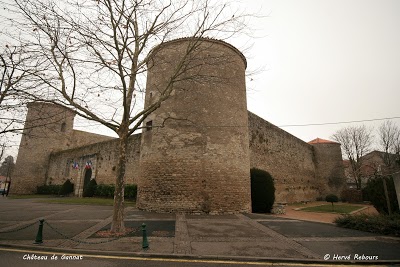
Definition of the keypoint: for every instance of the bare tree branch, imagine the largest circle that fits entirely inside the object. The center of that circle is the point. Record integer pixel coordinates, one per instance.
(92, 57)
(389, 135)
(356, 142)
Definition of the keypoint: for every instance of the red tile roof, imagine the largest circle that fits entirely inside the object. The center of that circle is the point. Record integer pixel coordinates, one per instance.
(321, 141)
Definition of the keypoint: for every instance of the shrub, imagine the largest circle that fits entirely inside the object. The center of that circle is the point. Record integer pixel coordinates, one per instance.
(48, 189)
(374, 192)
(90, 188)
(262, 190)
(105, 190)
(130, 191)
(67, 188)
(351, 195)
(331, 198)
(380, 224)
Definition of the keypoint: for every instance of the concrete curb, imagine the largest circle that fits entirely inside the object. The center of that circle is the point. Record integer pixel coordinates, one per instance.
(216, 258)
(359, 210)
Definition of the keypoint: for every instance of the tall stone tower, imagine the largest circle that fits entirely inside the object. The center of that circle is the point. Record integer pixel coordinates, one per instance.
(48, 128)
(328, 166)
(195, 147)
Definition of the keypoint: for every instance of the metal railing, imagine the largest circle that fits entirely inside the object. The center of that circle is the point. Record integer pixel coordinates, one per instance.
(42, 222)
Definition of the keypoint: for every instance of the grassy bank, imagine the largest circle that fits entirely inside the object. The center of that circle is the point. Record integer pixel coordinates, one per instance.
(341, 208)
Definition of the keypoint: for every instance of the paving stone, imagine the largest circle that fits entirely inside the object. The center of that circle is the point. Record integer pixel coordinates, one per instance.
(311, 229)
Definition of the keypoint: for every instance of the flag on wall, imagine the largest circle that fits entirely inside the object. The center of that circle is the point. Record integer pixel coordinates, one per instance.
(75, 165)
(88, 164)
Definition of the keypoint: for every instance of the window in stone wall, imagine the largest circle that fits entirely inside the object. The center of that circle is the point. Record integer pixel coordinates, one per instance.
(63, 127)
(67, 167)
(149, 125)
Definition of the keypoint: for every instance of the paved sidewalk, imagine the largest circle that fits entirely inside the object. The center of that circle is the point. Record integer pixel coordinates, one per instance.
(250, 236)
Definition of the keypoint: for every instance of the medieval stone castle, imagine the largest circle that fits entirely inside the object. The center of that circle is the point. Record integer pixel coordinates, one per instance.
(199, 162)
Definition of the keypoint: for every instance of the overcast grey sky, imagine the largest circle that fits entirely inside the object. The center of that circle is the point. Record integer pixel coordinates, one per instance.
(323, 61)
(326, 61)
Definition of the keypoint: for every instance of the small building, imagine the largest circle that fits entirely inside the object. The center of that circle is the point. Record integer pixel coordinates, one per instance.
(372, 164)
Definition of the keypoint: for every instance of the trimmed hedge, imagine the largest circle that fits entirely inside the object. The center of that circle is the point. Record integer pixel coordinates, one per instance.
(67, 188)
(331, 198)
(130, 191)
(380, 224)
(104, 190)
(101, 190)
(48, 189)
(90, 188)
(107, 190)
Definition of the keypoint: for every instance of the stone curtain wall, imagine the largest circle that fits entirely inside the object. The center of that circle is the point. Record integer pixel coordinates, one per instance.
(81, 138)
(198, 161)
(288, 159)
(103, 156)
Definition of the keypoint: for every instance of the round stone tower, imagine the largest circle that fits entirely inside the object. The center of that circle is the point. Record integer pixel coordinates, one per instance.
(328, 166)
(195, 146)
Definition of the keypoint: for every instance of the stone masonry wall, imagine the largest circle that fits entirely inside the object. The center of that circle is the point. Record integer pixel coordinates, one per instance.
(329, 168)
(198, 160)
(48, 128)
(81, 138)
(102, 155)
(288, 159)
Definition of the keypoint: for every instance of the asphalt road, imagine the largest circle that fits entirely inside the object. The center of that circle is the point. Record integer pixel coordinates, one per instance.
(20, 258)
(241, 236)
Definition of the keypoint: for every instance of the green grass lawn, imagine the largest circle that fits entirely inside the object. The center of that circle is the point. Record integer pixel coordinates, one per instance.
(85, 201)
(29, 196)
(341, 208)
(73, 200)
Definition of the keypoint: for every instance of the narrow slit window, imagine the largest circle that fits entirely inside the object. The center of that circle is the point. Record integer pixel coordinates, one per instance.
(63, 127)
(149, 125)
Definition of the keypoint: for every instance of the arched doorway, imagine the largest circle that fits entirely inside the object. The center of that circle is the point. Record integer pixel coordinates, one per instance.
(88, 176)
(262, 191)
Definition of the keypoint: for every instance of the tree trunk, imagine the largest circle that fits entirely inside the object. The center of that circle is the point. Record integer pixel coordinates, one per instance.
(117, 225)
(386, 196)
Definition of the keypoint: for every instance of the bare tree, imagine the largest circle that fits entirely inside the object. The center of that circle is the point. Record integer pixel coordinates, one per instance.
(11, 101)
(356, 142)
(7, 166)
(2, 150)
(15, 68)
(389, 135)
(92, 57)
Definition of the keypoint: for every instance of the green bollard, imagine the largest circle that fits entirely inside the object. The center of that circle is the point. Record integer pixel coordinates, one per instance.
(145, 243)
(39, 236)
